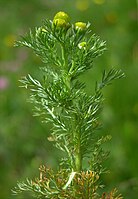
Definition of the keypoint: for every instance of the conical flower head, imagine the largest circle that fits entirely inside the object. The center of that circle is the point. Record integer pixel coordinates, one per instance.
(63, 16)
(61, 20)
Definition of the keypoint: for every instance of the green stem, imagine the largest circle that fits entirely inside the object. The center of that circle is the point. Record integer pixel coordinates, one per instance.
(77, 146)
(78, 155)
(64, 56)
(65, 66)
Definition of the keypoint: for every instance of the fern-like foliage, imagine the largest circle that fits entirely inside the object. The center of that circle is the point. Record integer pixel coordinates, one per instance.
(61, 185)
(67, 51)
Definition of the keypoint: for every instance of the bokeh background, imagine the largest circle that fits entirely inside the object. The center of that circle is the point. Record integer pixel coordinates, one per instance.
(23, 138)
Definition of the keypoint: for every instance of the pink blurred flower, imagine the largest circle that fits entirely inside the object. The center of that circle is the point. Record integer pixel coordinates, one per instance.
(3, 83)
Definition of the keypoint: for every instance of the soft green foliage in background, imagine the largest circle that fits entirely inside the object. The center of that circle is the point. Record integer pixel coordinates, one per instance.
(22, 144)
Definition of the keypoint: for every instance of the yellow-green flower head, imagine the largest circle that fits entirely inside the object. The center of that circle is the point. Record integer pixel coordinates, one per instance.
(60, 23)
(82, 45)
(63, 16)
(80, 26)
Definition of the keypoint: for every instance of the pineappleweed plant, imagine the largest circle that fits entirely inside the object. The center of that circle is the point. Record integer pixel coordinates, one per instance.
(67, 51)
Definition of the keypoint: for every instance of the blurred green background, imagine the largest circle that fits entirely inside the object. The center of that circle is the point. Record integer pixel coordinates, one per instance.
(23, 138)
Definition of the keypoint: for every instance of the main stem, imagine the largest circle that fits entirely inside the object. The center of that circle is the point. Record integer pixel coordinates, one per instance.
(64, 56)
(78, 155)
(77, 146)
(65, 66)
